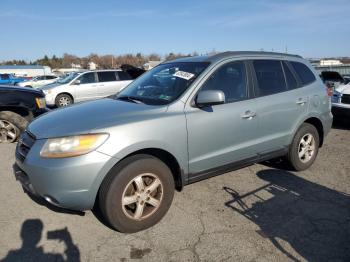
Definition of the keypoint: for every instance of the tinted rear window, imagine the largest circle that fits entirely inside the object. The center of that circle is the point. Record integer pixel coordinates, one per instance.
(270, 77)
(106, 76)
(304, 73)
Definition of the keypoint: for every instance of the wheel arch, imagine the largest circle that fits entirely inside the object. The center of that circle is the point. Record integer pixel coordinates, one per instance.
(169, 159)
(317, 123)
(65, 93)
(22, 111)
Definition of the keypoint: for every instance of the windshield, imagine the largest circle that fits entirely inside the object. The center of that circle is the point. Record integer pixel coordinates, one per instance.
(163, 84)
(67, 79)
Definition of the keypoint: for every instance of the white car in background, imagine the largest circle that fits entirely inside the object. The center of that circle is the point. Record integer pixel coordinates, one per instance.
(341, 101)
(39, 81)
(89, 85)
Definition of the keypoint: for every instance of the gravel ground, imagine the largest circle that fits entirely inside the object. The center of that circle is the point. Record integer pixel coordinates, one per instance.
(260, 213)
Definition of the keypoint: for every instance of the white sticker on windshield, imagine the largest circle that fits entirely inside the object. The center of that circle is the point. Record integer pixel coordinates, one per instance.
(184, 75)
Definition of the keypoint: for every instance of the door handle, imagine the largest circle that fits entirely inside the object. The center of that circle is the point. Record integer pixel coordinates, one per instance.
(301, 101)
(248, 114)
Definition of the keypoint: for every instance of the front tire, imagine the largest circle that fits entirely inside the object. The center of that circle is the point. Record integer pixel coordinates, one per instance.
(304, 148)
(63, 100)
(136, 194)
(11, 125)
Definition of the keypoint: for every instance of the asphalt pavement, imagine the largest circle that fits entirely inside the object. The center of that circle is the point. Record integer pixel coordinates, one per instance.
(260, 213)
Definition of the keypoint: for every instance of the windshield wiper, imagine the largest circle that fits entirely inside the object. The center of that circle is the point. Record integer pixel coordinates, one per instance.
(133, 99)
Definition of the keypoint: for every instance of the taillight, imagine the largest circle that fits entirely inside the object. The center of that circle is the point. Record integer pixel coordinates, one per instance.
(329, 89)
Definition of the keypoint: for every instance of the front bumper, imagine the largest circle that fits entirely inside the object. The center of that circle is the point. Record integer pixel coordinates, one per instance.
(70, 183)
(50, 99)
(342, 111)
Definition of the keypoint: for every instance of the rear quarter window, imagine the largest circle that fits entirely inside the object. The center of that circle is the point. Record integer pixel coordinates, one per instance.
(123, 76)
(290, 79)
(304, 73)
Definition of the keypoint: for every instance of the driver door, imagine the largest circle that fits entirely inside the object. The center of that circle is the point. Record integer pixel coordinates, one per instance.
(86, 88)
(221, 135)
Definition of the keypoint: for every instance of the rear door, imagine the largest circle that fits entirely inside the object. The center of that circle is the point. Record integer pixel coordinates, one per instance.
(107, 83)
(279, 104)
(87, 88)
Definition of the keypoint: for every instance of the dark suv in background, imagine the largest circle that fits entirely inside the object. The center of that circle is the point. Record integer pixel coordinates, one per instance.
(18, 106)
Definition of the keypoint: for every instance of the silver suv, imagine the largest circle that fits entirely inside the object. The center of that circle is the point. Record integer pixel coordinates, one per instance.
(181, 122)
(80, 87)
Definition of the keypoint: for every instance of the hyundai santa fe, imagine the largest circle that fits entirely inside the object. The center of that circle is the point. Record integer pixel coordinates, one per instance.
(181, 122)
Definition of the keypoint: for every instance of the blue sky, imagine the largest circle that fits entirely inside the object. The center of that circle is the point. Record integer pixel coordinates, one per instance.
(311, 28)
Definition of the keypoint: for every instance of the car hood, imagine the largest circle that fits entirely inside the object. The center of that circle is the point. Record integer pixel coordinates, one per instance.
(86, 117)
(50, 86)
(343, 89)
(21, 89)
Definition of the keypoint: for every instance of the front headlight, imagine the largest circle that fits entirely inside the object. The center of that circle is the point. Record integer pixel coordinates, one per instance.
(40, 102)
(72, 145)
(46, 92)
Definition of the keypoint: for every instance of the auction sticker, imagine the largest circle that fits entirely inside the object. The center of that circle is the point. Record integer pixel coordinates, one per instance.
(184, 75)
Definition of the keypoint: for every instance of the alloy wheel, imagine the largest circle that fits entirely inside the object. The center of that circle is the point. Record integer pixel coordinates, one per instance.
(142, 196)
(64, 101)
(306, 148)
(8, 132)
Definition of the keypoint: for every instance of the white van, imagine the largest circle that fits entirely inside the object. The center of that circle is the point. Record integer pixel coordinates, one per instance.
(89, 85)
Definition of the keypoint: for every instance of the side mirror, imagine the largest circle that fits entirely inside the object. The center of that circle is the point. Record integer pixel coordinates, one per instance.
(210, 98)
(76, 82)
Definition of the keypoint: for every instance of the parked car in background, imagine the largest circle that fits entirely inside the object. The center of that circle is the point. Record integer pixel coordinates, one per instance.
(39, 81)
(341, 102)
(133, 71)
(90, 85)
(332, 79)
(208, 115)
(9, 79)
(346, 79)
(18, 106)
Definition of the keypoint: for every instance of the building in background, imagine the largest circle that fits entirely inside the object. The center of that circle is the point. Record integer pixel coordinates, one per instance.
(330, 62)
(92, 66)
(151, 64)
(341, 65)
(25, 70)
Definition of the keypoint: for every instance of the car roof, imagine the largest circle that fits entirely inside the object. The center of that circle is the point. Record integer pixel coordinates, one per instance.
(220, 56)
(102, 70)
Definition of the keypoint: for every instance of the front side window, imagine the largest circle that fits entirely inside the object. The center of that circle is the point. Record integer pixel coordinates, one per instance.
(304, 73)
(87, 78)
(107, 76)
(5, 76)
(231, 80)
(163, 84)
(270, 77)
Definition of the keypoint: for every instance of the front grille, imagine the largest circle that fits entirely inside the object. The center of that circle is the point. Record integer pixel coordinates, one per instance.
(345, 99)
(25, 143)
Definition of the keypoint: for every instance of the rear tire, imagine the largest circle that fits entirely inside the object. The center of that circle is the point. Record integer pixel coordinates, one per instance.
(136, 193)
(63, 100)
(11, 125)
(304, 148)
